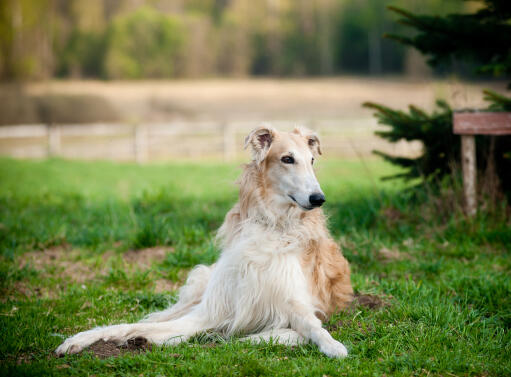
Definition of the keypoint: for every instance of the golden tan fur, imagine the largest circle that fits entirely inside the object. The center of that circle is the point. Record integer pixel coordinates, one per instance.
(323, 264)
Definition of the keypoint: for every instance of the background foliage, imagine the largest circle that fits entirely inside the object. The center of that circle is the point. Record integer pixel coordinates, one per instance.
(144, 43)
(481, 38)
(196, 38)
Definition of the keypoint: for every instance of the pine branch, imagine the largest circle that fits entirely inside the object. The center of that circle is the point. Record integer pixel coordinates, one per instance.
(498, 101)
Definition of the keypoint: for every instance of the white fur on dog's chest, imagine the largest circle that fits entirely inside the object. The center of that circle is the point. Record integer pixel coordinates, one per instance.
(255, 278)
(261, 240)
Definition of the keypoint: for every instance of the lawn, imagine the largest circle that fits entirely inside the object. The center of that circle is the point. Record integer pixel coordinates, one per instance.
(85, 244)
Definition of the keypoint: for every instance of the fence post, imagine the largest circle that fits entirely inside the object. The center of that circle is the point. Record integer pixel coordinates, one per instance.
(140, 143)
(54, 140)
(468, 161)
(229, 142)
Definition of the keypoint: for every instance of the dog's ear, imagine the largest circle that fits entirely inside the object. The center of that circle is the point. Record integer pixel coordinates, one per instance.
(314, 143)
(260, 140)
(311, 137)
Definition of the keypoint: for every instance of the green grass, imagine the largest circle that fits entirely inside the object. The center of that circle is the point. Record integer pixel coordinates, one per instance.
(449, 293)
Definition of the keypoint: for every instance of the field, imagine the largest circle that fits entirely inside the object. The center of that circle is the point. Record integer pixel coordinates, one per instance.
(200, 119)
(248, 99)
(85, 244)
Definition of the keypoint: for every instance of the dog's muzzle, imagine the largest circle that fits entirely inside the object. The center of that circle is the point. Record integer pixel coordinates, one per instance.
(317, 200)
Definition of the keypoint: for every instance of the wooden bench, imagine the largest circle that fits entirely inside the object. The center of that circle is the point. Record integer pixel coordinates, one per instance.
(469, 124)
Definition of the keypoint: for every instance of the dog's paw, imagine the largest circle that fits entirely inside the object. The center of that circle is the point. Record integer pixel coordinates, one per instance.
(333, 348)
(69, 346)
(77, 342)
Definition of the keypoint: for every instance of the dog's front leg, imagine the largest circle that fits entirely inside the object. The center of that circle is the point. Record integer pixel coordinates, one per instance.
(304, 321)
(170, 333)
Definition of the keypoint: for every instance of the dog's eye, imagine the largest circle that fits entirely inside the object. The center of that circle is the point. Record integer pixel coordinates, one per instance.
(312, 161)
(287, 160)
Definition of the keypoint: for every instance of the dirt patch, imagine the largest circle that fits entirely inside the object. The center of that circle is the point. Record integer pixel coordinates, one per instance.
(392, 214)
(390, 255)
(145, 257)
(24, 358)
(61, 260)
(71, 267)
(373, 302)
(209, 345)
(77, 266)
(367, 301)
(28, 290)
(102, 349)
(165, 286)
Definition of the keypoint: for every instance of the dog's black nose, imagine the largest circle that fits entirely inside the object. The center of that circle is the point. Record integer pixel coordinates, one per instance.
(316, 200)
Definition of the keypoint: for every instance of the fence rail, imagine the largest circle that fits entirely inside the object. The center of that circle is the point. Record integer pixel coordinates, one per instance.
(179, 139)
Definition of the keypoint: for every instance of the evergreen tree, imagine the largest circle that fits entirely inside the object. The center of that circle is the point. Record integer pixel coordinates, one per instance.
(484, 38)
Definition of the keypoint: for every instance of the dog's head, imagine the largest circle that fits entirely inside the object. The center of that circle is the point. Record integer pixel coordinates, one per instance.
(286, 160)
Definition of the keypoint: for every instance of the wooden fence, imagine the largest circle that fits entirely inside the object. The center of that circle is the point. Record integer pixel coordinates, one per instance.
(179, 140)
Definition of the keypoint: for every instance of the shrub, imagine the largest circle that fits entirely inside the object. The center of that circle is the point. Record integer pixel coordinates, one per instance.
(441, 148)
(143, 44)
(82, 55)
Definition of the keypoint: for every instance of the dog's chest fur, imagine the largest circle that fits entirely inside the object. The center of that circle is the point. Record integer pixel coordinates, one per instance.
(268, 259)
(259, 271)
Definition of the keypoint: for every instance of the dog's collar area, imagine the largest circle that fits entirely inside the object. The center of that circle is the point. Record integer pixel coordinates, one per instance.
(299, 205)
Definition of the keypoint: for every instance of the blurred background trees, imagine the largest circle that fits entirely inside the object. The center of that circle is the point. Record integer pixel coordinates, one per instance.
(129, 39)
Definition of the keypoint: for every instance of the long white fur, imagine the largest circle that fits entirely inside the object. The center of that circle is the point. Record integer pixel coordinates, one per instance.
(256, 287)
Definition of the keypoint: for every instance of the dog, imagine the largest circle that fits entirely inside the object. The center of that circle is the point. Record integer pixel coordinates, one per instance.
(279, 272)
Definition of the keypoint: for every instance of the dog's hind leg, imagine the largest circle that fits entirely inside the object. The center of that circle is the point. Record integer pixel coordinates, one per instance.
(190, 295)
(170, 333)
(281, 336)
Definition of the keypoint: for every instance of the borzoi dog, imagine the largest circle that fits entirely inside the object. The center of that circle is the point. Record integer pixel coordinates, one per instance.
(279, 271)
